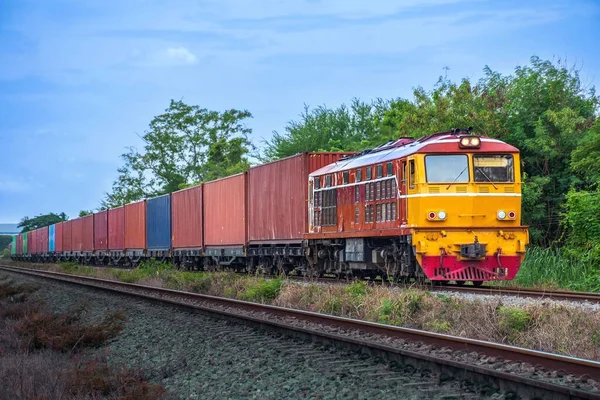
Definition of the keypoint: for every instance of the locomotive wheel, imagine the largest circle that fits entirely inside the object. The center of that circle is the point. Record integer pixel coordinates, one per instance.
(460, 283)
(477, 283)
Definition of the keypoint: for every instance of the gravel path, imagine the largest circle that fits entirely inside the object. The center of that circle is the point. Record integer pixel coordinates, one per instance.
(198, 357)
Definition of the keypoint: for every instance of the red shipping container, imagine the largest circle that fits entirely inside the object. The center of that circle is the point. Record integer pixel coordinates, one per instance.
(19, 244)
(101, 231)
(135, 226)
(43, 240)
(278, 196)
(67, 243)
(58, 237)
(30, 244)
(186, 218)
(116, 229)
(77, 234)
(225, 211)
(34, 242)
(88, 233)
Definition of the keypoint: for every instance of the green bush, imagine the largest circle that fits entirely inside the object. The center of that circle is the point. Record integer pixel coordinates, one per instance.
(357, 289)
(513, 319)
(263, 290)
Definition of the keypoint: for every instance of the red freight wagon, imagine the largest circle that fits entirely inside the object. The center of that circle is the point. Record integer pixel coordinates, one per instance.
(135, 226)
(77, 235)
(87, 243)
(33, 244)
(58, 237)
(116, 229)
(186, 218)
(67, 244)
(42, 247)
(101, 231)
(225, 212)
(278, 197)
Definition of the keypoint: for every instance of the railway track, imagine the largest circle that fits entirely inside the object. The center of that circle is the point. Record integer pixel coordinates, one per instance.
(487, 290)
(529, 373)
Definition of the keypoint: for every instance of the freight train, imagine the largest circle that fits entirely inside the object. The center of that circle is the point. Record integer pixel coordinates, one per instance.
(445, 207)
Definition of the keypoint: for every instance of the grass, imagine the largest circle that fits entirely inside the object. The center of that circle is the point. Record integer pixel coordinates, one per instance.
(551, 268)
(43, 354)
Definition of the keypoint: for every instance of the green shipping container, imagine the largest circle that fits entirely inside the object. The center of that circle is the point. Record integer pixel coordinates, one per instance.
(13, 247)
(24, 243)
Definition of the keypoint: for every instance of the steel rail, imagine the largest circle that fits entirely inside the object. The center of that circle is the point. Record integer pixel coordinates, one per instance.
(226, 307)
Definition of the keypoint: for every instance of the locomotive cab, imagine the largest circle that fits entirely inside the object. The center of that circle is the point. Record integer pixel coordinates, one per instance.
(465, 210)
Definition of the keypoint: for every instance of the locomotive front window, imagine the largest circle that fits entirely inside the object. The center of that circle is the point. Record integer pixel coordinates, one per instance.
(493, 168)
(447, 169)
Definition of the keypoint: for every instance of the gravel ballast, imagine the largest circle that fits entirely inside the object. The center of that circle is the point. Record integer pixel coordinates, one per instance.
(196, 356)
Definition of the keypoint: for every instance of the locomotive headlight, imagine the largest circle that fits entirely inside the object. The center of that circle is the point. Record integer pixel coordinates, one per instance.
(501, 214)
(469, 142)
(442, 214)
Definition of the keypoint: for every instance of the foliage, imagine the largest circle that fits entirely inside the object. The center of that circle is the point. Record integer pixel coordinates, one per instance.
(29, 224)
(323, 129)
(83, 213)
(185, 144)
(513, 319)
(263, 291)
(547, 267)
(6, 253)
(357, 289)
(5, 240)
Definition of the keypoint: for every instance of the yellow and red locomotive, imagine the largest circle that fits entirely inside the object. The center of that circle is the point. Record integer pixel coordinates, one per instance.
(445, 207)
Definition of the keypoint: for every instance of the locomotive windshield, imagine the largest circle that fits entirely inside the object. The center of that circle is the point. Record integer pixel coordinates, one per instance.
(447, 168)
(493, 168)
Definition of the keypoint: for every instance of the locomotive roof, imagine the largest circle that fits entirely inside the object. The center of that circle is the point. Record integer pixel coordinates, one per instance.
(436, 143)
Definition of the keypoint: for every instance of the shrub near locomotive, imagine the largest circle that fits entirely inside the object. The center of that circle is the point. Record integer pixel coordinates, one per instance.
(444, 207)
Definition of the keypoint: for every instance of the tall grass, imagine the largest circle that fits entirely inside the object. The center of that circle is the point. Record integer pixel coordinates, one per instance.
(553, 268)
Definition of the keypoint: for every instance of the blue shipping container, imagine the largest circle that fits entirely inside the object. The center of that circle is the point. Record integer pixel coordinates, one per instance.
(52, 238)
(158, 223)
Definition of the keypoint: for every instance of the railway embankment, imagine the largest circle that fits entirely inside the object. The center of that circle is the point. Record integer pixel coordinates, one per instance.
(556, 326)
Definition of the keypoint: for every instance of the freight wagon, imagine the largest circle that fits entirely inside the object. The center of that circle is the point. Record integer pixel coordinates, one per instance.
(443, 207)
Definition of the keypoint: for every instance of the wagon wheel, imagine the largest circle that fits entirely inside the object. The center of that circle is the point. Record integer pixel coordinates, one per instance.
(460, 283)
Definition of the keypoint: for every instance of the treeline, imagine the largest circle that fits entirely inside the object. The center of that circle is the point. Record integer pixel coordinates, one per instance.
(543, 108)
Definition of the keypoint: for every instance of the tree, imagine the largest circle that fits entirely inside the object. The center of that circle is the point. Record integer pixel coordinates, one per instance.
(83, 213)
(5, 240)
(323, 129)
(29, 224)
(185, 145)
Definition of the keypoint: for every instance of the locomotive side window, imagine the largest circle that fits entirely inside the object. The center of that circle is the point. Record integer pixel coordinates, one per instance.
(493, 168)
(328, 181)
(389, 169)
(368, 173)
(317, 183)
(346, 178)
(379, 171)
(411, 174)
(447, 168)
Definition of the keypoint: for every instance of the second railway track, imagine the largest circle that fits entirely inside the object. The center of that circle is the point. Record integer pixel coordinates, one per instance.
(527, 373)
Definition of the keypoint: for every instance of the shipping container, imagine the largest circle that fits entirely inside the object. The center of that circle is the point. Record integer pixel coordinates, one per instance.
(278, 197)
(77, 235)
(52, 238)
(225, 211)
(20, 244)
(116, 229)
(88, 233)
(42, 247)
(58, 237)
(32, 242)
(135, 226)
(67, 236)
(26, 238)
(187, 218)
(101, 231)
(158, 223)
(13, 246)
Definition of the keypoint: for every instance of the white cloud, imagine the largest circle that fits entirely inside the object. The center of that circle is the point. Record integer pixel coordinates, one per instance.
(181, 55)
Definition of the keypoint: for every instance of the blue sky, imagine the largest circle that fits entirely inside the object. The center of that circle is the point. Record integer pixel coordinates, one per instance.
(80, 79)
